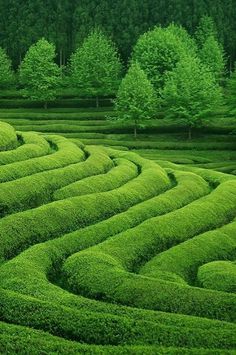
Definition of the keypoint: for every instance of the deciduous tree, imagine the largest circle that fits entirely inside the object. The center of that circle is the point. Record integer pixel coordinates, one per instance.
(136, 97)
(157, 52)
(190, 90)
(231, 90)
(212, 55)
(39, 74)
(96, 66)
(6, 73)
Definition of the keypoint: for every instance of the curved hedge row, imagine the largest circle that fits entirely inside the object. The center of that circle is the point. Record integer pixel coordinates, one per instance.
(64, 215)
(16, 339)
(104, 329)
(32, 146)
(122, 172)
(34, 190)
(218, 275)
(8, 138)
(122, 233)
(65, 153)
(111, 260)
(184, 259)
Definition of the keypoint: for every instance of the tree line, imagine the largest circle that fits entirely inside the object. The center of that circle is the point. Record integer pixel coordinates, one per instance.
(169, 70)
(67, 23)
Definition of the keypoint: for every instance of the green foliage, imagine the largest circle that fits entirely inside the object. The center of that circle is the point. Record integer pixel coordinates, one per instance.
(65, 153)
(206, 28)
(190, 90)
(182, 261)
(115, 264)
(38, 189)
(95, 66)
(218, 275)
(116, 230)
(15, 338)
(231, 90)
(212, 55)
(67, 23)
(38, 73)
(181, 33)
(6, 73)
(8, 138)
(31, 145)
(114, 178)
(158, 51)
(136, 96)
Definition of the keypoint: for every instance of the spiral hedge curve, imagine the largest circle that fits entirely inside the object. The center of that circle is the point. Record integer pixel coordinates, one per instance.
(102, 251)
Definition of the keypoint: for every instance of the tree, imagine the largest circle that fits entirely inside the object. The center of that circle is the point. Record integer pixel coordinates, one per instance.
(187, 41)
(190, 90)
(206, 28)
(231, 90)
(212, 55)
(6, 73)
(158, 52)
(136, 97)
(39, 74)
(96, 67)
(66, 23)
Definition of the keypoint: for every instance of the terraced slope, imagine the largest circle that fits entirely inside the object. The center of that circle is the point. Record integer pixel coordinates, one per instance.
(105, 252)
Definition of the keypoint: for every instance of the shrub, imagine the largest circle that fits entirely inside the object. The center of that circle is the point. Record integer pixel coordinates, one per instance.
(32, 146)
(112, 262)
(8, 138)
(218, 275)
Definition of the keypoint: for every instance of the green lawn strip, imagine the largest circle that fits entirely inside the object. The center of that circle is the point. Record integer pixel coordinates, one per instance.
(159, 145)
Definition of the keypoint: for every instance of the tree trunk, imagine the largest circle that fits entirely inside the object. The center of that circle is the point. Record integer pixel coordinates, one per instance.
(135, 129)
(190, 133)
(97, 102)
(45, 105)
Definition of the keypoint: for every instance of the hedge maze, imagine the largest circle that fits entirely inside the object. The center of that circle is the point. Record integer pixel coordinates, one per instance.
(103, 251)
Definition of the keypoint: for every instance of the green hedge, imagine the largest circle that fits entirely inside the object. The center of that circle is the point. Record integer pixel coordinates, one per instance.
(218, 275)
(24, 103)
(102, 329)
(63, 152)
(184, 259)
(16, 339)
(62, 169)
(8, 137)
(161, 145)
(32, 146)
(56, 114)
(110, 260)
(61, 216)
(123, 171)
